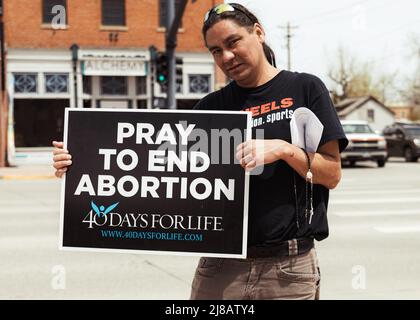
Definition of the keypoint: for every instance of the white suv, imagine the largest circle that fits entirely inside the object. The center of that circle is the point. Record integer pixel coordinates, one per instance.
(364, 143)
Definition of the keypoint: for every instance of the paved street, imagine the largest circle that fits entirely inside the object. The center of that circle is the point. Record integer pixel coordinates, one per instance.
(374, 220)
(372, 252)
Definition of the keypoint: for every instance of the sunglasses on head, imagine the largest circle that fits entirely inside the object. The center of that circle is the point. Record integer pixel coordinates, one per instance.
(224, 7)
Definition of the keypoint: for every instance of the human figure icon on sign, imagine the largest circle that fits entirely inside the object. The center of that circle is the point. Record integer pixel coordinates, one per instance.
(102, 209)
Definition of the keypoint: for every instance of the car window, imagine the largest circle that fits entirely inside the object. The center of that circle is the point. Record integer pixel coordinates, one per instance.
(357, 128)
(388, 131)
(414, 132)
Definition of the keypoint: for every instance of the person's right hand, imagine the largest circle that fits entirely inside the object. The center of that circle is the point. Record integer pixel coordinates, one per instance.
(61, 158)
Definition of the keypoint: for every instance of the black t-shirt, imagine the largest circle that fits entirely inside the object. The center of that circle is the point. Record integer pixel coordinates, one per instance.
(272, 201)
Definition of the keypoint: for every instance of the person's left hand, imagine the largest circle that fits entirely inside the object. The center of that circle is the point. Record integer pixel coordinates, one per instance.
(257, 152)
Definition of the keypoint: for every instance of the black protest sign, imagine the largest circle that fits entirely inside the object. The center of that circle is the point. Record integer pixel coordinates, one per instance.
(155, 182)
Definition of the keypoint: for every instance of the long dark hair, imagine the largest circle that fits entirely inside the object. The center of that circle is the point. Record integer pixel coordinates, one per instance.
(242, 17)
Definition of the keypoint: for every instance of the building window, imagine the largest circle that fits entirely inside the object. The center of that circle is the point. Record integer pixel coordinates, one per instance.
(141, 85)
(87, 84)
(113, 12)
(142, 104)
(114, 85)
(162, 12)
(199, 83)
(56, 82)
(87, 103)
(371, 115)
(25, 82)
(179, 88)
(51, 11)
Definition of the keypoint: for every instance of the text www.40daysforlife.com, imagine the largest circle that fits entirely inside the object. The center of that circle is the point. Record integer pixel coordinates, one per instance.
(150, 235)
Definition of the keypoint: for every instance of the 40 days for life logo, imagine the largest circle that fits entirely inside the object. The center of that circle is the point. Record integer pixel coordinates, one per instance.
(98, 213)
(101, 216)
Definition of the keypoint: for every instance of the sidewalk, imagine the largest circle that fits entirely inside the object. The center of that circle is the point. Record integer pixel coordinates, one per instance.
(27, 172)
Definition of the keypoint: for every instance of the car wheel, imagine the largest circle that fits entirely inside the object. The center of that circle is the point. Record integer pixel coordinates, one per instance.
(409, 155)
(381, 163)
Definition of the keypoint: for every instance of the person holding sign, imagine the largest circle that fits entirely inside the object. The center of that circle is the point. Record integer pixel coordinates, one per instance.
(281, 261)
(288, 198)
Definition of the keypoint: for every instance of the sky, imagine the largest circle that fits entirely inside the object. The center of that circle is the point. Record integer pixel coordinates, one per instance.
(375, 31)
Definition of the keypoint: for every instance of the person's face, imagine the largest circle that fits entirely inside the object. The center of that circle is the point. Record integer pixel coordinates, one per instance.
(236, 51)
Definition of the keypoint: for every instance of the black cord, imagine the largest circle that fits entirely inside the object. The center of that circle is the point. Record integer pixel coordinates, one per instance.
(296, 199)
(307, 159)
(308, 181)
(308, 210)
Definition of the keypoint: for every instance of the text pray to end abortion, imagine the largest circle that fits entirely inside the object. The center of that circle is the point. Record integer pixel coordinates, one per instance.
(160, 160)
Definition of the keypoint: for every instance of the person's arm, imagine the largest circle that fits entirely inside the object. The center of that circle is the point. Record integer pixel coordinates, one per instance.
(325, 164)
(61, 158)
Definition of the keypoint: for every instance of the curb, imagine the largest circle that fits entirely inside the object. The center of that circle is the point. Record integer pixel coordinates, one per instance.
(20, 177)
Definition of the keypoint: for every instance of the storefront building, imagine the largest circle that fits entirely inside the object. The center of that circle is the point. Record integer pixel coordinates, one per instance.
(98, 59)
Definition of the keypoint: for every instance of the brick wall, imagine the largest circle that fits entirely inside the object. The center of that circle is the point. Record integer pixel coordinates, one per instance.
(24, 29)
(402, 112)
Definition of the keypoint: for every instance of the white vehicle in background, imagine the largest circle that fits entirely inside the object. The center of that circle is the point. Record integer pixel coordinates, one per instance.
(364, 143)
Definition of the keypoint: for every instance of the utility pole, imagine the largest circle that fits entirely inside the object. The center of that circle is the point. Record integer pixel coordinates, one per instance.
(289, 35)
(153, 53)
(75, 57)
(172, 24)
(170, 53)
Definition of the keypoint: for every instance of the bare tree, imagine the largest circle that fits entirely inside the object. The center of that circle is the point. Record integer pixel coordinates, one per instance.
(411, 91)
(412, 94)
(356, 79)
(384, 85)
(342, 75)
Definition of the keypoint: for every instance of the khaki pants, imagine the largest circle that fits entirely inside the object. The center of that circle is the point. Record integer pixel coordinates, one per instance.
(293, 277)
